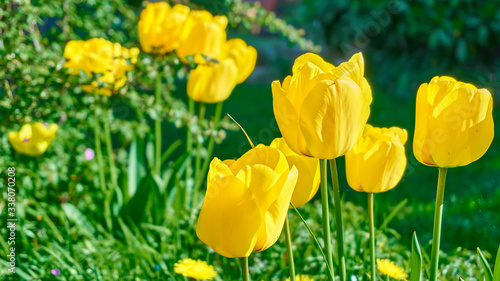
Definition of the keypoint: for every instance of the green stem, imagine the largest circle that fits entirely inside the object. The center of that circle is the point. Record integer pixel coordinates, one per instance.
(338, 218)
(109, 148)
(189, 149)
(210, 148)
(371, 219)
(326, 220)
(438, 216)
(289, 249)
(158, 137)
(199, 146)
(98, 152)
(245, 274)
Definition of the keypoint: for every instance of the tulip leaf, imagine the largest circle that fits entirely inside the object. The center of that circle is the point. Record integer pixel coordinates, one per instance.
(496, 276)
(171, 149)
(74, 215)
(330, 270)
(488, 275)
(137, 205)
(416, 260)
(394, 212)
(132, 171)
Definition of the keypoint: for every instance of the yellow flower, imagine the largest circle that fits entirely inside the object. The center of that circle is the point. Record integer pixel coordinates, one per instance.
(212, 82)
(243, 55)
(453, 124)
(321, 109)
(161, 26)
(198, 270)
(300, 277)
(33, 139)
(309, 175)
(378, 160)
(246, 202)
(106, 60)
(203, 34)
(387, 267)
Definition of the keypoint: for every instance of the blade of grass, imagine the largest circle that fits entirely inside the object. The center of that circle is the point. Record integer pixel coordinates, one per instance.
(488, 275)
(416, 259)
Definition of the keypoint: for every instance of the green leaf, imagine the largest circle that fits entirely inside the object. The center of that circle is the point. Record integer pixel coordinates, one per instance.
(137, 206)
(132, 170)
(461, 50)
(170, 150)
(394, 212)
(75, 216)
(496, 277)
(488, 275)
(416, 260)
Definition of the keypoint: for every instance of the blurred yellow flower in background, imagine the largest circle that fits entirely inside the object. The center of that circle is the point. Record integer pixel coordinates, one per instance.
(243, 55)
(107, 61)
(203, 34)
(453, 123)
(212, 82)
(336, 106)
(161, 27)
(377, 162)
(198, 270)
(301, 277)
(33, 139)
(387, 267)
(309, 174)
(246, 202)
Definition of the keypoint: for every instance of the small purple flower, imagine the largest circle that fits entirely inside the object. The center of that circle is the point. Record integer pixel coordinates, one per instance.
(46, 124)
(55, 271)
(89, 154)
(26, 140)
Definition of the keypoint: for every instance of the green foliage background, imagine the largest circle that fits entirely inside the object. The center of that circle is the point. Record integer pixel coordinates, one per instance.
(61, 221)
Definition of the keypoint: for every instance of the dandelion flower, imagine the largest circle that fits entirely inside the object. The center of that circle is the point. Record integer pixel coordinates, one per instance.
(387, 267)
(198, 269)
(300, 277)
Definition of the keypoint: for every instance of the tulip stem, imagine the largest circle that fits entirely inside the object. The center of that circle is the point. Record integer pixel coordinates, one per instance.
(189, 150)
(325, 213)
(438, 216)
(210, 148)
(97, 140)
(371, 219)
(338, 218)
(291, 264)
(158, 137)
(109, 148)
(199, 146)
(245, 274)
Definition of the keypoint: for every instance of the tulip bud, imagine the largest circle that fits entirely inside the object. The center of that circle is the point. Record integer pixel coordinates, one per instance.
(309, 174)
(453, 124)
(161, 26)
(377, 162)
(33, 139)
(321, 110)
(243, 55)
(212, 82)
(246, 202)
(203, 35)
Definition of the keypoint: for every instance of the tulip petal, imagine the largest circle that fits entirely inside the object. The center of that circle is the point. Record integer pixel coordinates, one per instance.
(230, 219)
(274, 218)
(334, 118)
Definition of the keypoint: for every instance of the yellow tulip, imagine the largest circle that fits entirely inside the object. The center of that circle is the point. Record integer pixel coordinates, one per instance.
(321, 110)
(309, 174)
(203, 34)
(106, 60)
(33, 139)
(161, 26)
(212, 82)
(454, 123)
(378, 160)
(246, 202)
(244, 56)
